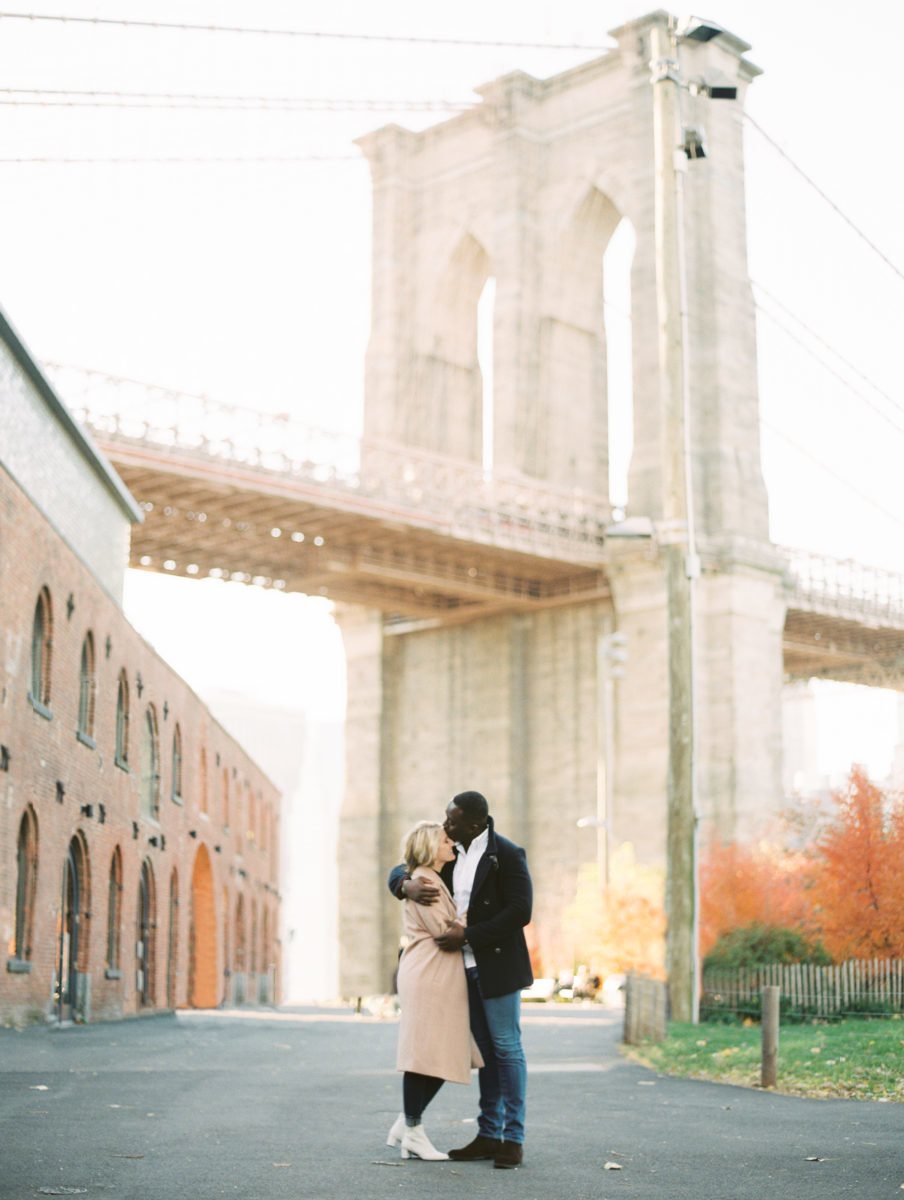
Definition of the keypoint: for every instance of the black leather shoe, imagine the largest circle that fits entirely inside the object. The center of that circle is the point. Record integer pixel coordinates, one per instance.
(509, 1155)
(481, 1147)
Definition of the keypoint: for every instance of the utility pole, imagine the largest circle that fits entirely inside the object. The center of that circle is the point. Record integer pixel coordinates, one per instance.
(677, 526)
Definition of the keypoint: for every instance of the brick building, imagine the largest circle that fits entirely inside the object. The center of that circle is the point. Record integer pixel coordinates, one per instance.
(138, 841)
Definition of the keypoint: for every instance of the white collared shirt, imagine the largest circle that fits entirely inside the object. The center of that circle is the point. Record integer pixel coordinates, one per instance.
(463, 881)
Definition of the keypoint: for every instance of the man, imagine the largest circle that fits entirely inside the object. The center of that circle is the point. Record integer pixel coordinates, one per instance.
(491, 886)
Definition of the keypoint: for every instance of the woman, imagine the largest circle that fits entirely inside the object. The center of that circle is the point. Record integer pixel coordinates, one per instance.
(435, 1041)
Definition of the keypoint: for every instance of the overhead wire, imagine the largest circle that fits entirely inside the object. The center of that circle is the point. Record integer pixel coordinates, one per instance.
(828, 346)
(831, 203)
(323, 35)
(824, 466)
(203, 102)
(190, 160)
(898, 427)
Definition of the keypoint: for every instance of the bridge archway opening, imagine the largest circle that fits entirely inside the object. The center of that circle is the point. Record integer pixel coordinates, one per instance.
(486, 311)
(618, 259)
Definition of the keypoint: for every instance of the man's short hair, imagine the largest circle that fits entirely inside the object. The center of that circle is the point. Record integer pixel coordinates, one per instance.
(473, 806)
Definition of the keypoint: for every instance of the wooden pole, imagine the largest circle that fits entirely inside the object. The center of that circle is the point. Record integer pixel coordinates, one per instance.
(769, 1060)
(681, 953)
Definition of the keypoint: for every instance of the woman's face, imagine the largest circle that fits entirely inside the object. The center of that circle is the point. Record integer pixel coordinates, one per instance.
(445, 851)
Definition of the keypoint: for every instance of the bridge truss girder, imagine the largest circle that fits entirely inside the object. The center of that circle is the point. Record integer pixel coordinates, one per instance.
(201, 523)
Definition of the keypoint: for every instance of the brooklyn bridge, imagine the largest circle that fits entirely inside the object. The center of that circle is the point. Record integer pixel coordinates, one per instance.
(479, 594)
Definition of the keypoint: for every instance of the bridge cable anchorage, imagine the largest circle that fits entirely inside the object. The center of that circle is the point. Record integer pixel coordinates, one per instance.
(322, 35)
(831, 203)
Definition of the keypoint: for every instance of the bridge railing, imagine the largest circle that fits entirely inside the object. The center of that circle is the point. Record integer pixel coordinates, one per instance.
(421, 486)
(845, 587)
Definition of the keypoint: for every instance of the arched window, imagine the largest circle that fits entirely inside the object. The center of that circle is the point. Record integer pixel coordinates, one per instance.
(150, 765)
(114, 916)
(225, 798)
(41, 644)
(26, 881)
(73, 931)
(252, 818)
(177, 765)
(146, 923)
(203, 772)
(121, 757)
(86, 688)
(172, 949)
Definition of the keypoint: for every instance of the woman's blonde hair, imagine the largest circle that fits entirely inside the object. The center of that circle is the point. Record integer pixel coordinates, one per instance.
(421, 844)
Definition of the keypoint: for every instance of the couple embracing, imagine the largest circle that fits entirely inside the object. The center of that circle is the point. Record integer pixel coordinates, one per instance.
(467, 896)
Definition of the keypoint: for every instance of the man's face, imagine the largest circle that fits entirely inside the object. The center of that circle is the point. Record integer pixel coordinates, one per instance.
(457, 826)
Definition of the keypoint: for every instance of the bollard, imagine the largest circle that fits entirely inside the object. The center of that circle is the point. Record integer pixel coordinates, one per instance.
(769, 1061)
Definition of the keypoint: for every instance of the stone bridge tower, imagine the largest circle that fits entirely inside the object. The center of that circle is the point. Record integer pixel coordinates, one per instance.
(528, 189)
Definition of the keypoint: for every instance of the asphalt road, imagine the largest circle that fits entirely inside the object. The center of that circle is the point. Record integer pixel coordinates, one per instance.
(296, 1104)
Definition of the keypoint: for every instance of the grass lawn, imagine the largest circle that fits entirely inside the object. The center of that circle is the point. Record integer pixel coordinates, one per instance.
(858, 1059)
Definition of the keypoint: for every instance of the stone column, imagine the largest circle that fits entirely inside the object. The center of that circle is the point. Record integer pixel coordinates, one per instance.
(364, 899)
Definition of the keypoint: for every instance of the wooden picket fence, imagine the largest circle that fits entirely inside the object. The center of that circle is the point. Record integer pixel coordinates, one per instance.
(859, 987)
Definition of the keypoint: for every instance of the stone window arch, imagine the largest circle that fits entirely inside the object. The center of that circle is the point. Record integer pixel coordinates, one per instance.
(203, 780)
(114, 916)
(121, 757)
(26, 885)
(177, 765)
(150, 765)
(172, 950)
(41, 647)
(87, 686)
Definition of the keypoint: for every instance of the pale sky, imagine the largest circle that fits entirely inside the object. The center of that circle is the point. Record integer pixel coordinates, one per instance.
(249, 282)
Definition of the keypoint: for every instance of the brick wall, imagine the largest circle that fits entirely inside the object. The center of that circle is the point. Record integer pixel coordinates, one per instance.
(78, 797)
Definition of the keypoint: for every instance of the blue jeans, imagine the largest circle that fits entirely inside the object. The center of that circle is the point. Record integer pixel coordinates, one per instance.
(496, 1026)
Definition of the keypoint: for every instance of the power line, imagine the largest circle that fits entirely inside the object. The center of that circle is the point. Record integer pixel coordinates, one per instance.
(188, 159)
(898, 428)
(812, 332)
(823, 466)
(831, 203)
(322, 35)
(163, 100)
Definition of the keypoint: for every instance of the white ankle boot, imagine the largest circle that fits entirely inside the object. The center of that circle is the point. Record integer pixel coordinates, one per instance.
(416, 1143)
(395, 1134)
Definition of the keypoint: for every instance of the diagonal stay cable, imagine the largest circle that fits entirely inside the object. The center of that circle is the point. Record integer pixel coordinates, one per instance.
(824, 466)
(831, 203)
(898, 428)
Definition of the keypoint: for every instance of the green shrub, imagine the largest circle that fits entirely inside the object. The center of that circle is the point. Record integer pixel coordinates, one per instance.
(763, 945)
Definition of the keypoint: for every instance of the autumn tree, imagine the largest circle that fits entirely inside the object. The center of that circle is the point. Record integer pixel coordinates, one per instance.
(857, 888)
(762, 884)
(619, 927)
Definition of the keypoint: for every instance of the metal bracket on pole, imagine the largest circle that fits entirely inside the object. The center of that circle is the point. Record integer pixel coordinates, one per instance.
(664, 68)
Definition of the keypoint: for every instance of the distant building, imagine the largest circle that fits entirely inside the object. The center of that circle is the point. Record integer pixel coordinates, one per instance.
(139, 844)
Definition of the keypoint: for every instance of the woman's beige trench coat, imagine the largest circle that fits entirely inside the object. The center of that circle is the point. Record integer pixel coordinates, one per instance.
(435, 1030)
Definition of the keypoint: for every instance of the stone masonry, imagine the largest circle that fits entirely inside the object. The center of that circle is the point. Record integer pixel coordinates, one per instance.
(528, 189)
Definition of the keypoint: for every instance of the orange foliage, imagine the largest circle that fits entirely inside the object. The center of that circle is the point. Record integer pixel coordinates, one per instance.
(845, 888)
(858, 883)
(759, 884)
(620, 927)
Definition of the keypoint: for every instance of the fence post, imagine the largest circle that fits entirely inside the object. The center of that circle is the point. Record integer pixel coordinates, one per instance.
(769, 1060)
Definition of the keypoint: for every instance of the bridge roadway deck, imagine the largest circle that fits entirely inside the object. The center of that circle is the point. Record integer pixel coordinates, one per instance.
(421, 537)
(296, 1104)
